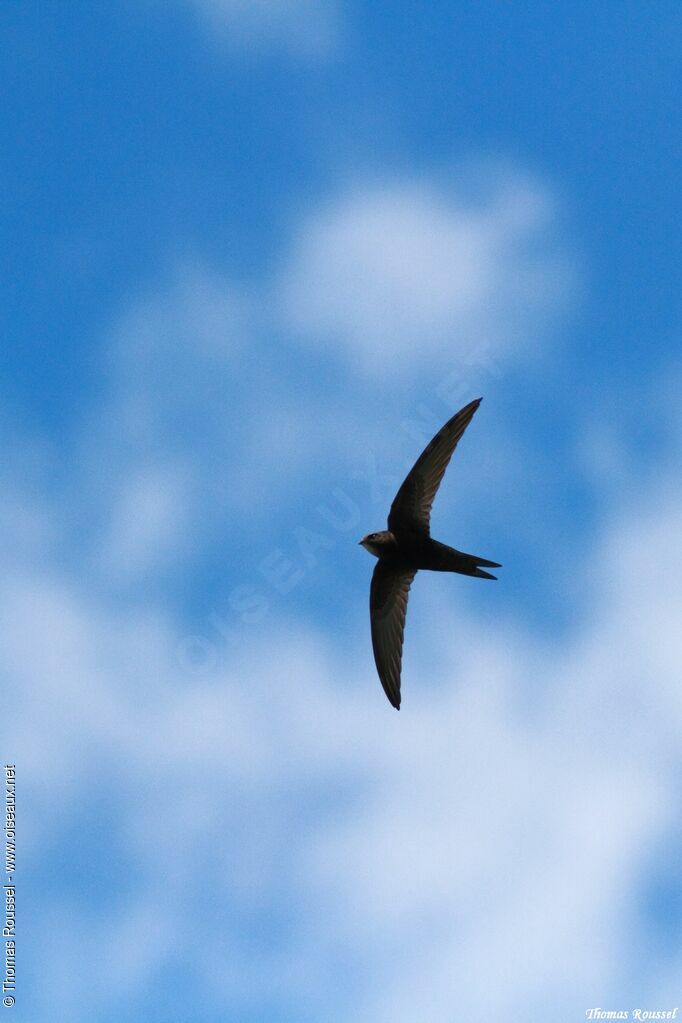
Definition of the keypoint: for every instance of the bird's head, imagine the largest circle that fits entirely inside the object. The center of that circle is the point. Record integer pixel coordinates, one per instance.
(377, 543)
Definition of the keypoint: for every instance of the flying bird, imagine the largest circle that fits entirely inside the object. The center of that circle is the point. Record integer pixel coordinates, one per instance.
(406, 546)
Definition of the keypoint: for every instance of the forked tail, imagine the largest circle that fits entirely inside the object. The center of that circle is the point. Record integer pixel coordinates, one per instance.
(469, 564)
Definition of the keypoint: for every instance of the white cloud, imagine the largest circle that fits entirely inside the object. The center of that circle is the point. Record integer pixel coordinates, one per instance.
(484, 849)
(411, 272)
(484, 846)
(398, 274)
(304, 28)
(149, 520)
(156, 454)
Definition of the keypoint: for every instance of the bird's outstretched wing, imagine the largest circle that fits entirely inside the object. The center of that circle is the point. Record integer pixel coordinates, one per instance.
(411, 508)
(388, 606)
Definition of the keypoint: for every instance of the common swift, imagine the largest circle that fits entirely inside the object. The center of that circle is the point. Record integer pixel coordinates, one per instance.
(406, 546)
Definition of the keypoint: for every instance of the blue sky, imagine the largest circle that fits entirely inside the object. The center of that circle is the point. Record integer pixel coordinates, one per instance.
(257, 254)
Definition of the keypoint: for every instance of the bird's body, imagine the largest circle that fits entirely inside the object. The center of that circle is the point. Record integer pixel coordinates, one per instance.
(415, 551)
(407, 546)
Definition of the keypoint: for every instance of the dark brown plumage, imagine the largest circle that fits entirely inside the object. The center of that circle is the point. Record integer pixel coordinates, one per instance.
(406, 546)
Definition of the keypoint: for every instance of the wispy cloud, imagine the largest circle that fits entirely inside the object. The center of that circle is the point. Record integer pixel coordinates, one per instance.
(308, 29)
(397, 278)
(149, 521)
(494, 836)
(277, 773)
(394, 274)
